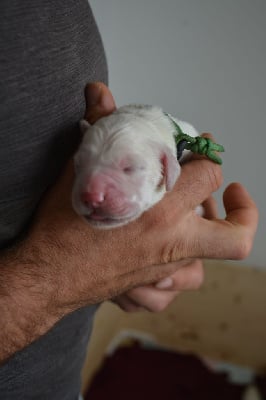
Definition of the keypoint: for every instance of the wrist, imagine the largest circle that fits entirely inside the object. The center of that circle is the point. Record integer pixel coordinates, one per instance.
(28, 299)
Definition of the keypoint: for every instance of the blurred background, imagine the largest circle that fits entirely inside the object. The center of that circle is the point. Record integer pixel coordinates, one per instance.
(203, 61)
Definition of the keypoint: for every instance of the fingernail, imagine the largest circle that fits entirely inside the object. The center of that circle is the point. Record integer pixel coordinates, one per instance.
(107, 102)
(165, 283)
(93, 97)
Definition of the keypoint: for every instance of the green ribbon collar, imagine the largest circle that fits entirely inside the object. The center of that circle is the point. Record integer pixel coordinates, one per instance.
(198, 144)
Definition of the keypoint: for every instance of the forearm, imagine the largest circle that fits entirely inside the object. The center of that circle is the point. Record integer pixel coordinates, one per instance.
(28, 300)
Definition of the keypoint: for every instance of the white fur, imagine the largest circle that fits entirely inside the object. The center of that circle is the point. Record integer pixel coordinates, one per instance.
(141, 132)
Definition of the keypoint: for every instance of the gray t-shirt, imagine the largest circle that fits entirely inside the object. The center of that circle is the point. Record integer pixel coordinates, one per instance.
(49, 50)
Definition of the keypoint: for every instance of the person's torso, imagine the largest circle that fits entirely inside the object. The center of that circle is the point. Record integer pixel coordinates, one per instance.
(49, 50)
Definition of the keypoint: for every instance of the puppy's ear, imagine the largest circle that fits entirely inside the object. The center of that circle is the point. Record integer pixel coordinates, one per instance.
(171, 168)
(83, 125)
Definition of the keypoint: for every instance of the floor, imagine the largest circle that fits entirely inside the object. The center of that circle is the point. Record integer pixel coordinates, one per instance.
(224, 320)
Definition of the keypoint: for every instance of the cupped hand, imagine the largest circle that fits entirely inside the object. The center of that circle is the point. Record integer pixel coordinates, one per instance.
(135, 263)
(189, 276)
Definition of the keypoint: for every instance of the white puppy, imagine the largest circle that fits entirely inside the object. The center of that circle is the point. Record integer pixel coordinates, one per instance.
(125, 164)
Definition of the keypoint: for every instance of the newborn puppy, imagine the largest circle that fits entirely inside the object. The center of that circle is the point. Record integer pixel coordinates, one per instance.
(125, 164)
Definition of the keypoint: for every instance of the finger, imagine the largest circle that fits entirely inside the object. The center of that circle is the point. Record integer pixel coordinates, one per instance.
(198, 180)
(189, 277)
(157, 297)
(99, 101)
(239, 206)
(148, 275)
(231, 238)
(152, 299)
(210, 209)
(127, 304)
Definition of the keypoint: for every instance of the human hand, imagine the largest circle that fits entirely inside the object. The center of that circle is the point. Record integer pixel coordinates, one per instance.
(84, 265)
(189, 276)
(156, 297)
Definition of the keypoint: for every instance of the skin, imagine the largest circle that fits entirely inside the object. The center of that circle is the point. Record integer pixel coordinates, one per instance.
(65, 264)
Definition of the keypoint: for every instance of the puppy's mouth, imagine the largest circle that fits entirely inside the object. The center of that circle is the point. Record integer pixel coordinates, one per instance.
(108, 222)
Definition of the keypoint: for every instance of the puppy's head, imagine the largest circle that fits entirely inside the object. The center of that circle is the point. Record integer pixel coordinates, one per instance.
(120, 171)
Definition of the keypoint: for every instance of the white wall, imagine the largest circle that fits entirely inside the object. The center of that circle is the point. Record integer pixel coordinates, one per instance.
(203, 61)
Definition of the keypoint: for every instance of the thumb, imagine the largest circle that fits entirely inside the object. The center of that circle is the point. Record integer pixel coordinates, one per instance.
(99, 101)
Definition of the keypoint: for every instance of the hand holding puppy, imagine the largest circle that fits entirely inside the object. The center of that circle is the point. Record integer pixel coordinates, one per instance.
(68, 264)
(99, 265)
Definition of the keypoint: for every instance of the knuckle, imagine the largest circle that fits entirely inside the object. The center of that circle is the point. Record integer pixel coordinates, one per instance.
(215, 176)
(197, 276)
(173, 252)
(243, 248)
(191, 278)
(159, 306)
(208, 135)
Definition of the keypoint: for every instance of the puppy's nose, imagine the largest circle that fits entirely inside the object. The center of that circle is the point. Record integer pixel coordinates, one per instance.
(94, 199)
